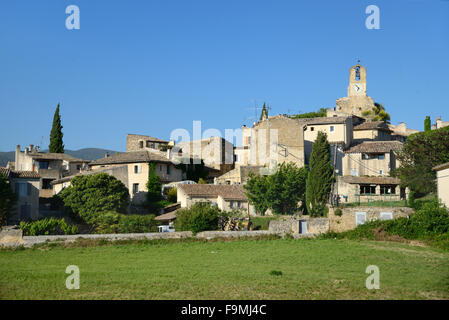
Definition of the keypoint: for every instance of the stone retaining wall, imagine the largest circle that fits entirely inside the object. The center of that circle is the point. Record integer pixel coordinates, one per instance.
(347, 220)
(29, 241)
(293, 225)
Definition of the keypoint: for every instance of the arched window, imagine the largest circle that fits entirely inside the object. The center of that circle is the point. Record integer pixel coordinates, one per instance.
(357, 73)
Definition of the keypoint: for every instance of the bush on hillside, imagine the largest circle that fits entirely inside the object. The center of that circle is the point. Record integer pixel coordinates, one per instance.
(172, 195)
(202, 216)
(431, 222)
(47, 226)
(113, 222)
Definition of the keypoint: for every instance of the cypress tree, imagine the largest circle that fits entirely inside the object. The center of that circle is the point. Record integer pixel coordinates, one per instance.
(154, 186)
(427, 124)
(319, 180)
(264, 114)
(56, 144)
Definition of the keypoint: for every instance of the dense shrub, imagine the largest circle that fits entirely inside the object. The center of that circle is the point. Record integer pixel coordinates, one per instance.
(113, 222)
(47, 226)
(8, 200)
(202, 216)
(172, 195)
(431, 222)
(91, 195)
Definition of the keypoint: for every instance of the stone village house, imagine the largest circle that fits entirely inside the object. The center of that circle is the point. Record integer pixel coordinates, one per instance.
(26, 185)
(132, 168)
(225, 197)
(49, 166)
(443, 183)
(363, 152)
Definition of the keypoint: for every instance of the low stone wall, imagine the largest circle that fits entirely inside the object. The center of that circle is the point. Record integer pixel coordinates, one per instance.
(32, 240)
(29, 241)
(284, 226)
(316, 225)
(11, 236)
(347, 220)
(293, 225)
(232, 234)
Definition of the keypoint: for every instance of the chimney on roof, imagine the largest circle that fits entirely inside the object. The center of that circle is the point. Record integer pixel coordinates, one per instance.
(106, 155)
(26, 150)
(31, 147)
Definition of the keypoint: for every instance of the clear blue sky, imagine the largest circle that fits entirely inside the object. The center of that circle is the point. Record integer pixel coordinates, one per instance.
(149, 67)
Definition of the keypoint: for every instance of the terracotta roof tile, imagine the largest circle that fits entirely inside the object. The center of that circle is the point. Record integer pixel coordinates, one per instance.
(147, 138)
(18, 174)
(131, 157)
(371, 125)
(375, 147)
(232, 192)
(371, 180)
(26, 174)
(55, 156)
(441, 167)
(4, 172)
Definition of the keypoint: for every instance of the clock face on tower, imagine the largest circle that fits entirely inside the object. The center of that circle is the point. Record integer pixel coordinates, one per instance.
(358, 88)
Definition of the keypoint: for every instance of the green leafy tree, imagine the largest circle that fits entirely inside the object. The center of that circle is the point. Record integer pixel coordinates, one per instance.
(319, 180)
(286, 188)
(427, 124)
(56, 144)
(202, 216)
(380, 114)
(8, 200)
(89, 196)
(256, 190)
(154, 185)
(316, 114)
(281, 191)
(422, 152)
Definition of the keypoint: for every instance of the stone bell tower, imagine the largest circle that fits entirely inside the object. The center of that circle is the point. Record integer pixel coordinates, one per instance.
(357, 81)
(357, 102)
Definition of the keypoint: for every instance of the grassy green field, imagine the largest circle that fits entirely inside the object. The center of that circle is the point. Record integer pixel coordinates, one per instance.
(240, 269)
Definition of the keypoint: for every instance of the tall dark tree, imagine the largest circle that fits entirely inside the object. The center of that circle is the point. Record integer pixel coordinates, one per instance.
(319, 180)
(8, 200)
(427, 124)
(56, 144)
(264, 114)
(154, 185)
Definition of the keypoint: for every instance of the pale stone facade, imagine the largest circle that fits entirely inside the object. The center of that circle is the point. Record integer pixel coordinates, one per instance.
(49, 166)
(272, 140)
(368, 189)
(225, 197)
(352, 217)
(26, 185)
(138, 164)
(443, 183)
(138, 142)
(239, 175)
(439, 124)
(216, 152)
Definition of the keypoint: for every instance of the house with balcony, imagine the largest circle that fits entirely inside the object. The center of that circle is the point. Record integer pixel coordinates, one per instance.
(49, 166)
(133, 167)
